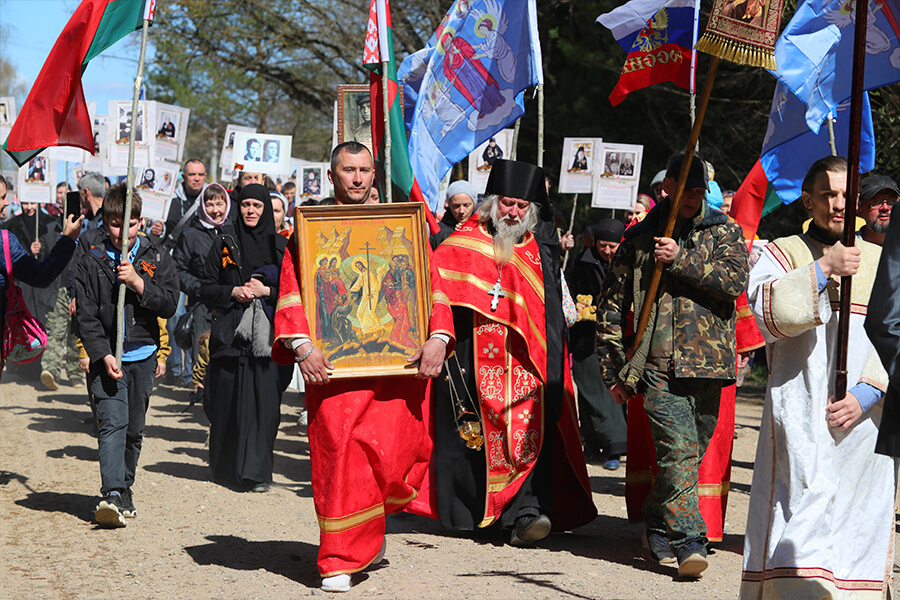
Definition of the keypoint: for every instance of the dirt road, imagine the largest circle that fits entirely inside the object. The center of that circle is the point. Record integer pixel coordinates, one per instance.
(194, 539)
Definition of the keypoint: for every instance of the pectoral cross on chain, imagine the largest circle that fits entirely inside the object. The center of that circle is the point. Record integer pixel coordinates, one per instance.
(497, 292)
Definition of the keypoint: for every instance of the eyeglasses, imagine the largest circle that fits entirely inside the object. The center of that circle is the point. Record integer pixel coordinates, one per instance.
(875, 203)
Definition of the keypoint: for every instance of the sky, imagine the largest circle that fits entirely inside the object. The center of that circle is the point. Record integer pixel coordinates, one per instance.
(34, 26)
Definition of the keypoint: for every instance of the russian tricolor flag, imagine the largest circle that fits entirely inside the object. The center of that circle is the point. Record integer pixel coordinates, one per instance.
(659, 38)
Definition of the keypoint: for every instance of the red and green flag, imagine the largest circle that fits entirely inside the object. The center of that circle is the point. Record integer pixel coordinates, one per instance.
(55, 113)
(379, 49)
(754, 199)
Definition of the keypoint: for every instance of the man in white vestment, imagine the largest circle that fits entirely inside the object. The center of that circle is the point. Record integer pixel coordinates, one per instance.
(820, 522)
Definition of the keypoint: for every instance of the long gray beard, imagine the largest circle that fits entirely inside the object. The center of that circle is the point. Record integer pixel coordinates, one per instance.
(505, 238)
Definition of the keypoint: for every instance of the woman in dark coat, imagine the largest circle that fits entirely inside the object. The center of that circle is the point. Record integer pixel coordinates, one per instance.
(243, 394)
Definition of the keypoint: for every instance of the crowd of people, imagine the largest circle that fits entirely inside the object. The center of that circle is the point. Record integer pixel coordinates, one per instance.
(528, 371)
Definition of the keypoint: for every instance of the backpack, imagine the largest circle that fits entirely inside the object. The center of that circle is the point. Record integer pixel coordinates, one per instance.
(24, 337)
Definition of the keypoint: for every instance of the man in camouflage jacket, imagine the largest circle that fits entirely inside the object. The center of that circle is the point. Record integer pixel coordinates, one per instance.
(686, 355)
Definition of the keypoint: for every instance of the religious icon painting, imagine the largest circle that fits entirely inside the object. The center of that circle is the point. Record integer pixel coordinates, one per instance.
(365, 285)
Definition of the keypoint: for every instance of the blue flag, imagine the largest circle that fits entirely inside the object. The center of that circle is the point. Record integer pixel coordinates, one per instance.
(467, 83)
(815, 52)
(790, 147)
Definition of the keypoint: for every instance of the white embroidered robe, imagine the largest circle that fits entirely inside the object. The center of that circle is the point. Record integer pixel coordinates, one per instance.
(821, 516)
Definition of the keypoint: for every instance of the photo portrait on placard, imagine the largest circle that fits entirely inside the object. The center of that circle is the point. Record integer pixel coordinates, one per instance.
(169, 124)
(311, 178)
(577, 165)
(37, 168)
(262, 153)
(610, 164)
(582, 158)
(626, 164)
(227, 154)
(124, 124)
(5, 118)
(148, 179)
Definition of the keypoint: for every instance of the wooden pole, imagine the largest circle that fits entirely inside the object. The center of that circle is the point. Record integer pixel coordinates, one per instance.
(650, 297)
(852, 194)
(515, 141)
(571, 225)
(388, 187)
(831, 141)
(540, 156)
(126, 218)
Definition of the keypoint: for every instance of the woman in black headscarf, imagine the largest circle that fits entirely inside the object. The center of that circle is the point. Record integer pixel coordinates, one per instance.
(243, 385)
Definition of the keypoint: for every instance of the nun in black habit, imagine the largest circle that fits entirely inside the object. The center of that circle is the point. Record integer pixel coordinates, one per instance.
(243, 385)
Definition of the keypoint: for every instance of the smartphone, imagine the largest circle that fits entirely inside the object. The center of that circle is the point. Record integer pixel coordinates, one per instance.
(73, 205)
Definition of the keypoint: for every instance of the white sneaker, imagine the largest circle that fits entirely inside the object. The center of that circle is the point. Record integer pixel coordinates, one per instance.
(336, 583)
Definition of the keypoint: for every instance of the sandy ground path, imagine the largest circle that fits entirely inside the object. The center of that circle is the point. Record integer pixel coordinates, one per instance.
(196, 540)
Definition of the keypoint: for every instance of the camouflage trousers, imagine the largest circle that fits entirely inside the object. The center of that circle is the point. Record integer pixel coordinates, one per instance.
(682, 415)
(61, 355)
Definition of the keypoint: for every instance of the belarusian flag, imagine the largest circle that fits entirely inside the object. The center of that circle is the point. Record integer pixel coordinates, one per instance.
(55, 113)
(379, 49)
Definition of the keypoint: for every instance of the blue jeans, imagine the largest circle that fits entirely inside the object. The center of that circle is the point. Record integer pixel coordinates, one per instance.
(174, 364)
(121, 413)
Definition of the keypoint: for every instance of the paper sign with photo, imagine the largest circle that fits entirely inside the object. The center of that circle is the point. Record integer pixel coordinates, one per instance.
(226, 155)
(262, 153)
(171, 131)
(577, 168)
(312, 181)
(156, 186)
(7, 116)
(37, 180)
(119, 132)
(483, 157)
(617, 171)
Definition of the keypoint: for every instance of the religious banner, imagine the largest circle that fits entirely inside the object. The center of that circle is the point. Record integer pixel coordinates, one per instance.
(467, 84)
(171, 131)
(119, 132)
(262, 153)
(815, 52)
(365, 285)
(482, 159)
(37, 180)
(156, 185)
(743, 31)
(576, 171)
(617, 172)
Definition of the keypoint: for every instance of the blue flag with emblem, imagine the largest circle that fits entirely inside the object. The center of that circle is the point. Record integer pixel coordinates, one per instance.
(467, 83)
(815, 52)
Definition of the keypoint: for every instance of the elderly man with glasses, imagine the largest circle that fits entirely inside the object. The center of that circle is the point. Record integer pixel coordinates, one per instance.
(877, 196)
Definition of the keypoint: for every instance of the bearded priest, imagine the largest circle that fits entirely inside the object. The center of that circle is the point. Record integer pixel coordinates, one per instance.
(507, 451)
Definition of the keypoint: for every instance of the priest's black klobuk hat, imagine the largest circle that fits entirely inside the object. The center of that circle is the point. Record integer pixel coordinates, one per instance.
(517, 180)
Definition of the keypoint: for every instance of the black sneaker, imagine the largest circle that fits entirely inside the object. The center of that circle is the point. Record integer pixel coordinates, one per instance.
(128, 509)
(692, 559)
(529, 530)
(658, 546)
(109, 512)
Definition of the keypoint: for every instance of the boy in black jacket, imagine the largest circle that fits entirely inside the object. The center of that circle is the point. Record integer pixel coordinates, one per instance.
(122, 395)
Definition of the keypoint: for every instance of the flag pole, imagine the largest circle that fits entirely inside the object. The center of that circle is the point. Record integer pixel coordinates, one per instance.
(126, 218)
(540, 156)
(388, 187)
(852, 194)
(650, 298)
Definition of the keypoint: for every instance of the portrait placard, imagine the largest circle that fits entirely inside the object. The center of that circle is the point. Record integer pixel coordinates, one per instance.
(119, 132)
(576, 172)
(261, 153)
(37, 180)
(171, 131)
(156, 185)
(481, 160)
(227, 153)
(617, 171)
(365, 285)
(7, 116)
(354, 118)
(312, 181)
